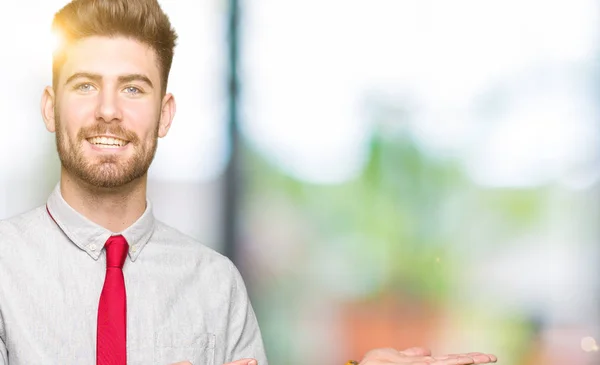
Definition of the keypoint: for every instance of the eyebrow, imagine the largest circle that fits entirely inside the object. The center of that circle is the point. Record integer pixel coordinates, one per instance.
(122, 79)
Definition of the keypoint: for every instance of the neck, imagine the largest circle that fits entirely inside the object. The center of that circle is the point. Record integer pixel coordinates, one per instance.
(112, 208)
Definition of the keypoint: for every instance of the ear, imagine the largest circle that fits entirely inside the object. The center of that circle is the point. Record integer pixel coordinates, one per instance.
(167, 113)
(47, 106)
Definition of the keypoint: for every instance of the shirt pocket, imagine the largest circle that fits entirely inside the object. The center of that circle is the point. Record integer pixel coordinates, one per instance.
(170, 348)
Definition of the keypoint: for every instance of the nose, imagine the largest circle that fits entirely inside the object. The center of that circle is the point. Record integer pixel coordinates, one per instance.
(108, 109)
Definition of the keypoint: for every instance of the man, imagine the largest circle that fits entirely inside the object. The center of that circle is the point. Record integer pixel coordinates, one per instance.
(92, 277)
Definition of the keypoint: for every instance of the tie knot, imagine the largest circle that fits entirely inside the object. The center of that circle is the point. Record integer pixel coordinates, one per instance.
(116, 251)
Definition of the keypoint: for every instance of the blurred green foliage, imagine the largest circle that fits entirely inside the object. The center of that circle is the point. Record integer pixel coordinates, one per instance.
(398, 228)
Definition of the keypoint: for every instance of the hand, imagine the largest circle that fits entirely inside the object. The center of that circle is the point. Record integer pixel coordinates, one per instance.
(243, 362)
(238, 362)
(422, 356)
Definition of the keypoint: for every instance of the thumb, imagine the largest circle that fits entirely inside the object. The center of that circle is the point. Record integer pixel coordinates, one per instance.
(243, 362)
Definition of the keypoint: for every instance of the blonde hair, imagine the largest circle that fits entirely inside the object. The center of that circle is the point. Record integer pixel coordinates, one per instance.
(142, 20)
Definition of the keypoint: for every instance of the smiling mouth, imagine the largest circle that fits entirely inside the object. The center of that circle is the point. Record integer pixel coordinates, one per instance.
(107, 142)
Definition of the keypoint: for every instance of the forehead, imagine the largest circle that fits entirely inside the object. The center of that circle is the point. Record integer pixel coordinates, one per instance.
(110, 57)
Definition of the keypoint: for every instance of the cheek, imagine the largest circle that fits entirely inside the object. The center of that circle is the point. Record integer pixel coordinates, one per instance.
(141, 119)
(75, 114)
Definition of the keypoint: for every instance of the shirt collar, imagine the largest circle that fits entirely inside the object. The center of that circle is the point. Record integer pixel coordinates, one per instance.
(91, 237)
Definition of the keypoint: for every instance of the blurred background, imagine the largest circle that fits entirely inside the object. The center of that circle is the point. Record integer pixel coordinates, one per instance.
(383, 172)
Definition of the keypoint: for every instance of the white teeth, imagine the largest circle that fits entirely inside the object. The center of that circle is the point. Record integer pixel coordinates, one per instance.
(107, 142)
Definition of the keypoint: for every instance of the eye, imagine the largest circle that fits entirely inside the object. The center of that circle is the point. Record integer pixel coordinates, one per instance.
(132, 90)
(85, 87)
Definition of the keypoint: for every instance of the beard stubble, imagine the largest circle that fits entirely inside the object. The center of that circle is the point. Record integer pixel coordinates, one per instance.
(110, 171)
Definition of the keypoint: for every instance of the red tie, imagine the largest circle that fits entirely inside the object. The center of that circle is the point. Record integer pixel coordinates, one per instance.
(112, 311)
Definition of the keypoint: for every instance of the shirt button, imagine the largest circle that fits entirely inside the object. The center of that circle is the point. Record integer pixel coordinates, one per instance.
(92, 247)
(133, 248)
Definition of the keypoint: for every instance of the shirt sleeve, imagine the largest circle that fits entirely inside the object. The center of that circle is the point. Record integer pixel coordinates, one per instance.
(244, 339)
(3, 351)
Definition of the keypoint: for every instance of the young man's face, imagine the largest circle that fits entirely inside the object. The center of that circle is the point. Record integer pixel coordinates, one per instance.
(108, 110)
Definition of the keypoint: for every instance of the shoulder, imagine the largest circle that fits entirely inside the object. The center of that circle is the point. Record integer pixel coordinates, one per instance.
(175, 242)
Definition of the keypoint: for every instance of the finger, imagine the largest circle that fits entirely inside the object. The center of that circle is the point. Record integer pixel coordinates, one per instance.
(243, 362)
(416, 351)
(460, 360)
(478, 357)
(447, 357)
(481, 358)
